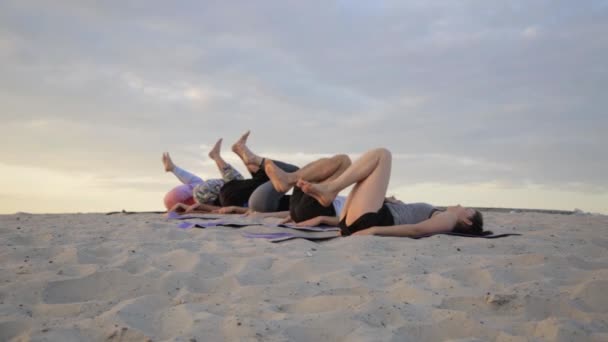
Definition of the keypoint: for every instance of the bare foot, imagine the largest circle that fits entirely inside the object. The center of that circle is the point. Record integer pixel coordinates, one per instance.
(239, 144)
(169, 166)
(241, 149)
(320, 192)
(281, 180)
(215, 151)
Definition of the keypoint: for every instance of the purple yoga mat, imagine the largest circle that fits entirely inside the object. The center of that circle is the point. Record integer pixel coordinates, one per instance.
(215, 223)
(172, 215)
(284, 236)
(188, 225)
(266, 235)
(310, 228)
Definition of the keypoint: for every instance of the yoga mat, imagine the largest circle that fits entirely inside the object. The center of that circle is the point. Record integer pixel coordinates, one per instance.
(310, 228)
(215, 223)
(175, 216)
(284, 236)
(494, 236)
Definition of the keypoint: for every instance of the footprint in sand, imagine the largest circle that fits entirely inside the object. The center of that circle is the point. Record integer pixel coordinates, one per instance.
(154, 316)
(470, 276)
(579, 263)
(554, 329)
(320, 304)
(256, 271)
(592, 295)
(211, 266)
(98, 286)
(10, 330)
(98, 255)
(179, 260)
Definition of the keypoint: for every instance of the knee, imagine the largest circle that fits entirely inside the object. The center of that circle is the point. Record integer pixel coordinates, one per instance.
(382, 152)
(342, 159)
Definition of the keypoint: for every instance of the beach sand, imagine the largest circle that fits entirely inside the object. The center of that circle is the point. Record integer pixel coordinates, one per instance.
(96, 277)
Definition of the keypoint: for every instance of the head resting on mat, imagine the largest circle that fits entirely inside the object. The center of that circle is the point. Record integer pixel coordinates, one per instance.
(179, 194)
(474, 216)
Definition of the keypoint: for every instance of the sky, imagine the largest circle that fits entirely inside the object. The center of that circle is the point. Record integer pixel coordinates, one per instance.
(482, 102)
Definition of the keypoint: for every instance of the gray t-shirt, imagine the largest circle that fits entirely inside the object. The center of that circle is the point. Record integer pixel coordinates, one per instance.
(410, 213)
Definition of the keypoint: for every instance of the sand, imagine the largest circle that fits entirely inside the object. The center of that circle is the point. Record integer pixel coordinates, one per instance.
(93, 277)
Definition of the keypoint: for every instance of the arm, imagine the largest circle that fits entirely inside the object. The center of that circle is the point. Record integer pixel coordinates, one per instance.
(279, 214)
(439, 223)
(231, 210)
(330, 220)
(392, 199)
(201, 208)
(178, 208)
(315, 221)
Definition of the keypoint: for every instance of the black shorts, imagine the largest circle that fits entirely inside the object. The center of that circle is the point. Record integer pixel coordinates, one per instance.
(284, 203)
(303, 207)
(237, 191)
(382, 217)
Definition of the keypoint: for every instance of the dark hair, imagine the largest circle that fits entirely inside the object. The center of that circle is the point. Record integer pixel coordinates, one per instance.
(476, 228)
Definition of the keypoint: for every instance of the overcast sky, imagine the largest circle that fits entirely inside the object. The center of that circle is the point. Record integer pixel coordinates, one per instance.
(484, 103)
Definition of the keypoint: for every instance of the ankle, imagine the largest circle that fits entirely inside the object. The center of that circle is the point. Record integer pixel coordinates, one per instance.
(292, 178)
(257, 161)
(331, 186)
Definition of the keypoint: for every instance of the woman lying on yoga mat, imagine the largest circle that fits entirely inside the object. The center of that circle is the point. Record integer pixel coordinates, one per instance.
(368, 212)
(232, 193)
(303, 209)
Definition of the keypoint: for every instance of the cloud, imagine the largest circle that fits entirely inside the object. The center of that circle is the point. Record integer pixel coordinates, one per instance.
(462, 92)
(175, 91)
(530, 32)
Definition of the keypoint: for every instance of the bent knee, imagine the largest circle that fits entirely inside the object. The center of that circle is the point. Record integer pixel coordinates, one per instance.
(343, 159)
(383, 152)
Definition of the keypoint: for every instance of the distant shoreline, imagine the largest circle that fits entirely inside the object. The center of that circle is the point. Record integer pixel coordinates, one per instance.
(483, 209)
(519, 210)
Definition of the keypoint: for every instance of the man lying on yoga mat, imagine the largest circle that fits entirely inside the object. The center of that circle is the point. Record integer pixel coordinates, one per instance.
(367, 211)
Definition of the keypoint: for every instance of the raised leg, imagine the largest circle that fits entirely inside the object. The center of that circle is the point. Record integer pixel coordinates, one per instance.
(215, 155)
(318, 171)
(226, 170)
(265, 198)
(167, 162)
(184, 176)
(371, 173)
(251, 160)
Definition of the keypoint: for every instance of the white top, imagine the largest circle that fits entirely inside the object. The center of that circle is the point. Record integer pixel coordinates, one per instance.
(339, 205)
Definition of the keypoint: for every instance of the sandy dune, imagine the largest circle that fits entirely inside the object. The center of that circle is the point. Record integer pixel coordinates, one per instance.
(93, 277)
